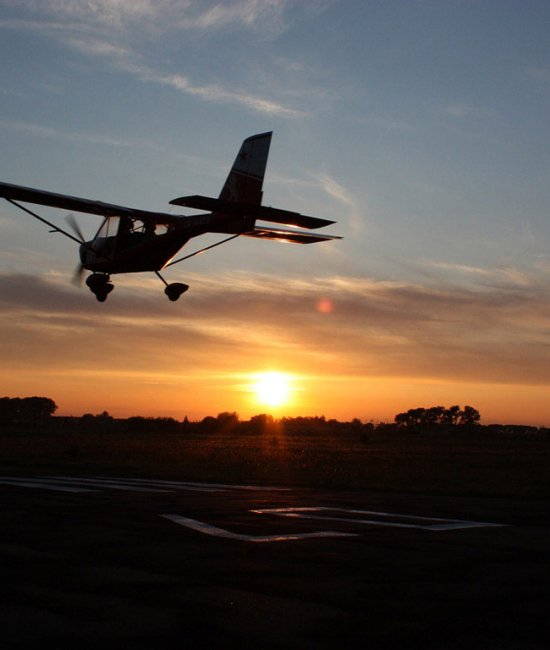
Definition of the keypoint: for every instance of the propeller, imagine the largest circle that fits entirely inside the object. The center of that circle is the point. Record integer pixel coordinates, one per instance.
(75, 227)
(78, 275)
(73, 223)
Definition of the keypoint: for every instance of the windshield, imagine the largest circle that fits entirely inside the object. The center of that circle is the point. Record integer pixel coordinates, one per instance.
(109, 228)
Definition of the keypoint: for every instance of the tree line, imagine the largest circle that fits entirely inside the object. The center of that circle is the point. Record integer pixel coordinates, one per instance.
(20, 412)
(438, 417)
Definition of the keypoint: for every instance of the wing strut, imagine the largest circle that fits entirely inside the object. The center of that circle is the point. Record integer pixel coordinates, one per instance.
(56, 228)
(202, 250)
(48, 223)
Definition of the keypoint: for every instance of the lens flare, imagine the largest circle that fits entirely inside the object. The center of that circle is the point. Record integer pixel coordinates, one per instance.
(325, 306)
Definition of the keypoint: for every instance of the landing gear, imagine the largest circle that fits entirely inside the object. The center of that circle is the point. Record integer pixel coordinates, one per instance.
(174, 290)
(100, 285)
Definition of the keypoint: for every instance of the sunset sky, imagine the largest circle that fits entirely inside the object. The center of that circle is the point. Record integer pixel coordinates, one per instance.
(422, 127)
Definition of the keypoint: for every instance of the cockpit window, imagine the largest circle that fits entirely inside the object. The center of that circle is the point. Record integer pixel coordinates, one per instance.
(121, 227)
(109, 227)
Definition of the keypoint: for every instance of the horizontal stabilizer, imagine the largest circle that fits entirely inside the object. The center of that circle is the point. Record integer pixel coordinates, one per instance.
(262, 212)
(290, 236)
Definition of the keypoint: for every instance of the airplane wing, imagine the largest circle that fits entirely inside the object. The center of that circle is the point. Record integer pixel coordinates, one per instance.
(76, 204)
(289, 236)
(263, 212)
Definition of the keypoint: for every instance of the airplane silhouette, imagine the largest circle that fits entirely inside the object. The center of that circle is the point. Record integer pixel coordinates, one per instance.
(131, 240)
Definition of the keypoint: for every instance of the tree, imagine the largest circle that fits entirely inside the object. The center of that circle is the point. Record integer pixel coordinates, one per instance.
(262, 423)
(469, 417)
(208, 424)
(452, 415)
(227, 422)
(434, 416)
(412, 419)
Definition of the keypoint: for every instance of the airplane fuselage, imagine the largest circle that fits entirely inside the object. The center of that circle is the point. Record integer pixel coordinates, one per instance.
(134, 249)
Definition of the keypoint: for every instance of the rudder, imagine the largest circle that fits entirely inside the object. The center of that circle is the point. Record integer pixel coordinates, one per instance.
(245, 180)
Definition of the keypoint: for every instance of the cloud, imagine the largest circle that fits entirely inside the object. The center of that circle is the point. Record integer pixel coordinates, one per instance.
(356, 211)
(126, 60)
(489, 277)
(214, 92)
(39, 130)
(464, 110)
(241, 14)
(93, 47)
(334, 189)
(109, 29)
(227, 324)
(157, 16)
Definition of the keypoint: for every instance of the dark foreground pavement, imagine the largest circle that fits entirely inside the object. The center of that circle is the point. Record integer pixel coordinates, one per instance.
(116, 564)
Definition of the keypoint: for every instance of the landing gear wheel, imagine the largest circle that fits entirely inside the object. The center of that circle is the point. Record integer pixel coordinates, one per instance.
(174, 290)
(100, 285)
(101, 293)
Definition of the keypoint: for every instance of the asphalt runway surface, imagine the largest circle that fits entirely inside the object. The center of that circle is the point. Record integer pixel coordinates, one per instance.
(101, 562)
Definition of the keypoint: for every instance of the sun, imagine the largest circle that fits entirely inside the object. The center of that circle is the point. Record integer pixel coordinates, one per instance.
(272, 388)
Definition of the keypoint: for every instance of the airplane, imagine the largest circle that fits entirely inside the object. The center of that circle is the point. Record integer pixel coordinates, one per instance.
(131, 240)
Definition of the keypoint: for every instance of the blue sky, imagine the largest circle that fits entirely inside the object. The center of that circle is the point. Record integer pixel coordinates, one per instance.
(420, 126)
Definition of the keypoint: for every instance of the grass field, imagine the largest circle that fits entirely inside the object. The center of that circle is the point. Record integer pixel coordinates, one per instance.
(430, 463)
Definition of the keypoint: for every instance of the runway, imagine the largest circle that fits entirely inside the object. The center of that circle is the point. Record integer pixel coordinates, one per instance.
(132, 562)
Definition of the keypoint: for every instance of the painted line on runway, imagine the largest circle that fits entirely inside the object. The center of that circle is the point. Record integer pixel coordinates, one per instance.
(389, 519)
(99, 483)
(318, 513)
(214, 531)
(110, 484)
(41, 484)
(194, 485)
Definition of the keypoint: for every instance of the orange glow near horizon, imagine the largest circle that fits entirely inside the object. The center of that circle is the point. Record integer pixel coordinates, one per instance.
(342, 397)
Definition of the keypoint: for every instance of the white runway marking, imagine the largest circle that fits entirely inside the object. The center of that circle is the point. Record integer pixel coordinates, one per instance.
(344, 517)
(213, 531)
(41, 484)
(391, 519)
(99, 483)
(109, 484)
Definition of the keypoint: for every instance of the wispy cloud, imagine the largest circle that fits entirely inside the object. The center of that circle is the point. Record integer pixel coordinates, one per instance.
(108, 29)
(333, 188)
(50, 132)
(463, 110)
(124, 59)
(491, 277)
(99, 48)
(166, 15)
(214, 92)
(341, 194)
(241, 14)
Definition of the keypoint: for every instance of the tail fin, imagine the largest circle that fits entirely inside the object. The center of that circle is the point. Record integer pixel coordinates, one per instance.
(245, 180)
